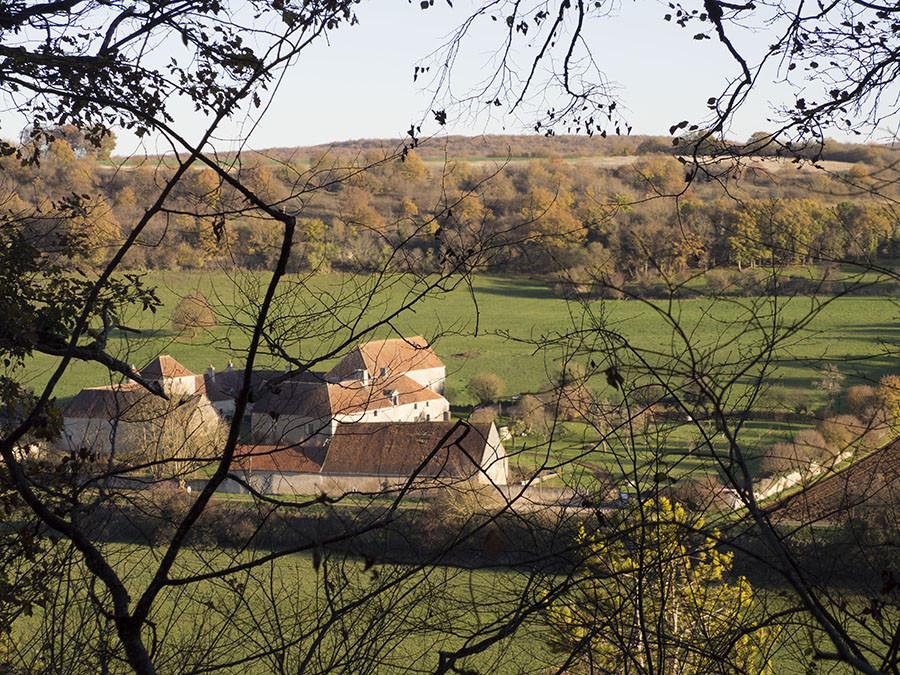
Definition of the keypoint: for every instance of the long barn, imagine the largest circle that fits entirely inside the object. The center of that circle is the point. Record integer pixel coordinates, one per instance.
(374, 457)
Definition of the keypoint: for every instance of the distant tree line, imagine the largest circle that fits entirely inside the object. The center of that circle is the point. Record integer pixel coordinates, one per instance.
(573, 146)
(562, 217)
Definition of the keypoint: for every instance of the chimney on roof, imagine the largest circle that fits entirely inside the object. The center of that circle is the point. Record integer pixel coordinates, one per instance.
(395, 396)
(287, 367)
(383, 372)
(363, 376)
(211, 373)
(229, 367)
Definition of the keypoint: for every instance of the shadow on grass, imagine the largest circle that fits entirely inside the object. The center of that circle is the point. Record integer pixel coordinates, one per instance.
(146, 334)
(883, 330)
(858, 370)
(516, 288)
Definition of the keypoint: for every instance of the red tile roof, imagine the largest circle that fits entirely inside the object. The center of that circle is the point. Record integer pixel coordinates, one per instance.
(122, 402)
(319, 400)
(395, 355)
(284, 460)
(447, 449)
(308, 399)
(164, 366)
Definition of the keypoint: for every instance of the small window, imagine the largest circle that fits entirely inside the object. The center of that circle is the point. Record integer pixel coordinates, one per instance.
(374, 413)
(415, 406)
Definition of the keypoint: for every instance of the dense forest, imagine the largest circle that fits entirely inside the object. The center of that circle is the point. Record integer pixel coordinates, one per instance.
(592, 205)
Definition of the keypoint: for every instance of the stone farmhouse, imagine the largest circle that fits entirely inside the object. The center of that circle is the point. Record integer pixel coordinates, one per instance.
(221, 388)
(118, 416)
(397, 380)
(381, 358)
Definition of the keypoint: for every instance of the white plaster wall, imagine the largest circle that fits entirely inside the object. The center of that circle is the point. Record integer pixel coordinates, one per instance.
(494, 462)
(433, 378)
(180, 385)
(206, 414)
(96, 434)
(268, 482)
(433, 411)
(79, 432)
(224, 408)
(330, 484)
(275, 483)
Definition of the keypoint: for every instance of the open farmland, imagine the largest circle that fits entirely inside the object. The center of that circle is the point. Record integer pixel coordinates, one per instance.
(204, 627)
(862, 335)
(433, 609)
(301, 373)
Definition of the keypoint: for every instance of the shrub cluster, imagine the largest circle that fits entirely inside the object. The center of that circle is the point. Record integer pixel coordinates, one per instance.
(873, 412)
(192, 314)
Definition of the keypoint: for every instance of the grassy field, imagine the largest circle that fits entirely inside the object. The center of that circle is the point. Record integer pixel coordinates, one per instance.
(241, 618)
(417, 613)
(494, 325)
(491, 327)
(576, 450)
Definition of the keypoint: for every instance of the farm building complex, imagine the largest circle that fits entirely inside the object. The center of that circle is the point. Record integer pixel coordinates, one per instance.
(378, 418)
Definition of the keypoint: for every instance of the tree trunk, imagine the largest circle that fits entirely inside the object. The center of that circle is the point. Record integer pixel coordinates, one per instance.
(136, 654)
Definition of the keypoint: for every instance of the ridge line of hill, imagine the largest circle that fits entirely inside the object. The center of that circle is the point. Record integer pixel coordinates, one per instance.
(523, 146)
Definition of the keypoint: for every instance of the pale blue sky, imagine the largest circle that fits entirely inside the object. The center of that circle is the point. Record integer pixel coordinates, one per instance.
(359, 84)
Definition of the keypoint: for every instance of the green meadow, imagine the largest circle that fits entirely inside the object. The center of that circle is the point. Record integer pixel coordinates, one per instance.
(237, 621)
(491, 325)
(497, 324)
(494, 324)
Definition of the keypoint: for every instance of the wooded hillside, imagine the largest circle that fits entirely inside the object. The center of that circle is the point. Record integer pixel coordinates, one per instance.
(569, 204)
